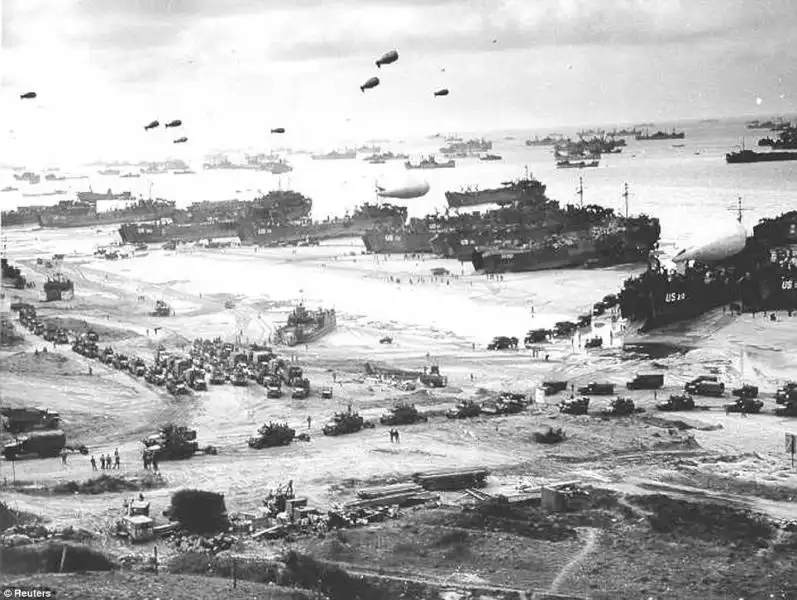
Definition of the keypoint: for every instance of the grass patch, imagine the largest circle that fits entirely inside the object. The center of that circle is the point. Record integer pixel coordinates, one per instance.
(97, 485)
(706, 521)
(46, 558)
(732, 485)
(10, 517)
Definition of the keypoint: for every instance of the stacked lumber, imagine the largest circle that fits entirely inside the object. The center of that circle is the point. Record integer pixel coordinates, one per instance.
(452, 479)
(397, 499)
(386, 490)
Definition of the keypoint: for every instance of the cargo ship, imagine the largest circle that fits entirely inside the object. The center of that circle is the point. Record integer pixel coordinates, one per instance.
(24, 215)
(755, 273)
(787, 140)
(540, 142)
(399, 240)
(84, 213)
(660, 135)
(335, 155)
(306, 326)
(28, 176)
(431, 163)
(616, 240)
(576, 164)
(508, 193)
(491, 157)
(749, 156)
(467, 148)
(277, 230)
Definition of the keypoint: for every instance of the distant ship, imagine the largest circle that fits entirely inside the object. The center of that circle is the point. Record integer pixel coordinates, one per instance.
(772, 125)
(787, 140)
(109, 172)
(431, 163)
(31, 178)
(546, 141)
(53, 193)
(8, 188)
(52, 177)
(576, 164)
(491, 157)
(131, 175)
(757, 274)
(464, 149)
(660, 135)
(84, 213)
(277, 167)
(306, 326)
(23, 215)
(749, 156)
(288, 231)
(335, 155)
(385, 156)
(508, 193)
(185, 172)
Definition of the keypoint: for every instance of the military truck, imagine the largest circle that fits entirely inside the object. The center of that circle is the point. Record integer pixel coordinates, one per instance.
(44, 444)
(745, 405)
(239, 377)
(651, 381)
(597, 389)
(176, 387)
(17, 420)
(272, 434)
(746, 391)
(300, 393)
(574, 406)
(551, 388)
(594, 342)
(503, 342)
(172, 442)
(326, 392)
(121, 362)
(345, 422)
(705, 385)
(274, 391)
(196, 379)
(619, 407)
(677, 402)
(137, 367)
(433, 378)
(786, 393)
(403, 414)
(465, 409)
(217, 377)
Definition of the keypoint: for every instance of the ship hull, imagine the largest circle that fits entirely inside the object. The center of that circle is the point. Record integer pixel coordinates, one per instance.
(191, 232)
(276, 234)
(447, 165)
(18, 220)
(501, 197)
(95, 219)
(398, 242)
(755, 157)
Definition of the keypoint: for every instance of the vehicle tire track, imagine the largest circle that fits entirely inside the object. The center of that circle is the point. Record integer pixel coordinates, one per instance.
(581, 556)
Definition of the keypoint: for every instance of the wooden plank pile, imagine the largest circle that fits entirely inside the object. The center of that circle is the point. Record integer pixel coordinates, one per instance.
(399, 494)
(452, 479)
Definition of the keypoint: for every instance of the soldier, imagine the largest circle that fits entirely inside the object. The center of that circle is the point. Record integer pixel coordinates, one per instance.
(102, 461)
(90, 371)
(396, 434)
(309, 421)
(93, 463)
(154, 463)
(63, 457)
(116, 461)
(145, 458)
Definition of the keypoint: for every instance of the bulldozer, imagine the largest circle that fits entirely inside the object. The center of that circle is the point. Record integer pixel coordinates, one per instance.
(345, 422)
(18, 420)
(136, 524)
(465, 409)
(574, 406)
(403, 414)
(161, 309)
(745, 405)
(272, 434)
(171, 443)
(677, 402)
(619, 407)
(433, 378)
(326, 392)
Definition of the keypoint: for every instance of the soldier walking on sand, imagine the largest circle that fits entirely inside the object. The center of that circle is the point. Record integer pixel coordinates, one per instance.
(145, 458)
(309, 421)
(63, 457)
(116, 460)
(154, 463)
(93, 463)
(102, 461)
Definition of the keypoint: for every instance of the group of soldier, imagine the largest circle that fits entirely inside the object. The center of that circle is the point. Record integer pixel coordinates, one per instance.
(106, 461)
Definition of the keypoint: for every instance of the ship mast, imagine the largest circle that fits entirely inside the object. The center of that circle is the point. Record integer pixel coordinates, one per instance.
(625, 197)
(580, 191)
(738, 208)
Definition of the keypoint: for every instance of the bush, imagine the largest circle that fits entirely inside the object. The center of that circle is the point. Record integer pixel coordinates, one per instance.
(46, 558)
(199, 511)
(190, 563)
(306, 572)
(10, 517)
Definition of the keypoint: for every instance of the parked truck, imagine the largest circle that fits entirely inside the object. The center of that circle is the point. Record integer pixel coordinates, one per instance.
(44, 444)
(17, 420)
(651, 381)
(705, 385)
(597, 389)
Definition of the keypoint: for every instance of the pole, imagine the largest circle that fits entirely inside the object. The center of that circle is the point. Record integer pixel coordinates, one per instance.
(625, 196)
(155, 556)
(234, 574)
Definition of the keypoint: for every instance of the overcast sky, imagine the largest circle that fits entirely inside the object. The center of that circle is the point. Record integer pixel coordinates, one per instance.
(233, 69)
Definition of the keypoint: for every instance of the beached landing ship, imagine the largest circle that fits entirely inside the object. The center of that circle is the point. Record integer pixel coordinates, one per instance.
(84, 213)
(509, 193)
(757, 273)
(306, 326)
(413, 238)
(24, 215)
(271, 231)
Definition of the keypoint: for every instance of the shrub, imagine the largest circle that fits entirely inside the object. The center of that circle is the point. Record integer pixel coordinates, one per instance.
(199, 511)
(46, 558)
(10, 517)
